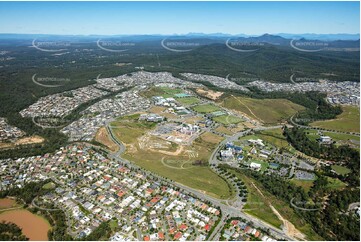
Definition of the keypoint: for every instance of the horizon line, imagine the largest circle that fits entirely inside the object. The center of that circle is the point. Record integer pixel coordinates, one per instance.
(190, 33)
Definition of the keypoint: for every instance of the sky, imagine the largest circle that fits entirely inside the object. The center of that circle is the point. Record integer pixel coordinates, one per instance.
(110, 18)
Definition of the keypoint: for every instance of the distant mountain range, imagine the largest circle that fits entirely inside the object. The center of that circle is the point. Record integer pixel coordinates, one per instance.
(308, 36)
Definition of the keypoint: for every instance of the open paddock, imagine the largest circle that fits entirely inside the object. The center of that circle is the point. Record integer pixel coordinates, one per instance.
(227, 119)
(206, 108)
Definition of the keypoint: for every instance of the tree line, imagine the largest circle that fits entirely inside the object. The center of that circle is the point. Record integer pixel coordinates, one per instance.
(10, 232)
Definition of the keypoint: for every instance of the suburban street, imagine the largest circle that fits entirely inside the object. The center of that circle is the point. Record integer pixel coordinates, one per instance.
(227, 211)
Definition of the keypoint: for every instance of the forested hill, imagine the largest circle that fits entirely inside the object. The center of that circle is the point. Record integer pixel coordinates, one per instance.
(82, 60)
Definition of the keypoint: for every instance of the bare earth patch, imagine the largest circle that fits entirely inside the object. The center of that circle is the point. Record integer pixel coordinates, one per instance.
(102, 137)
(174, 153)
(23, 141)
(289, 228)
(211, 138)
(30, 140)
(209, 94)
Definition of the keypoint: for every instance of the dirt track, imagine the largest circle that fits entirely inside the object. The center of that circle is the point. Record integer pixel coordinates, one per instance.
(289, 228)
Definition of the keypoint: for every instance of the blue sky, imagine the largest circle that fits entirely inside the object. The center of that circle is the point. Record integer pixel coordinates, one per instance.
(179, 17)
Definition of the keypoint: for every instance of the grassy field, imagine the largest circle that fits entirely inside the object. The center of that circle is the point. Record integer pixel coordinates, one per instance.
(275, 137)
(224, 130)
(192, 120)
(347, 121)
(306, 185)
(269, 111)
(197, 177)
(128, 128)
(161, 111)
(258, 206)
(206, 108)
(334, 183)
(161, 91)
(49, 185)
(211, 138)
(179, 168)
(171, 91)
(153, 91)
(188, 100)
(341, 170)
(227, 119)
(113, 224)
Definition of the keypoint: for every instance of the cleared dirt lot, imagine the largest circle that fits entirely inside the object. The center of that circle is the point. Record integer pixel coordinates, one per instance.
(209, 94)
(23, 141)
(103, 137)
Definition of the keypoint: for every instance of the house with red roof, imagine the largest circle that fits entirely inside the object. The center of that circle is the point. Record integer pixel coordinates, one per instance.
(154, 200)
(207, 227)
(178, 235)
(234, 222)
(120, 193)
(161, 235)
(183, 227)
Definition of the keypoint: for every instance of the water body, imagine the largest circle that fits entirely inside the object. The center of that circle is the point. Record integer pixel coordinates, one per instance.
(34, 227)
(6, 203)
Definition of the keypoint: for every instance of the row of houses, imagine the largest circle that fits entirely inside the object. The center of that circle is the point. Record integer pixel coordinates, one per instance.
(92, 189)
(239, 230)
(9, 133)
